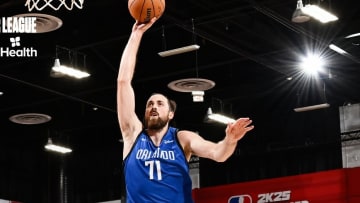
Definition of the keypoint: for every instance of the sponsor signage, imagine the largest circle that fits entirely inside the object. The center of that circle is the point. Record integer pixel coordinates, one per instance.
(334, 186)
(16, 25)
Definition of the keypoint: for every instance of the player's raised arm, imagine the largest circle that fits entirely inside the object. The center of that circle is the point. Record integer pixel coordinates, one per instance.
(129, 123)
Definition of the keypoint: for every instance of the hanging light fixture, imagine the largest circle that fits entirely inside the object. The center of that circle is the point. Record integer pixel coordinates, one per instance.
(56, 148)
(304, 13)
(59, 70)
(319, 13)
(176, 51)
(314, 107)
(299, 16)
(65, 70)
(196, 86)
(180, 50)
(219, 117)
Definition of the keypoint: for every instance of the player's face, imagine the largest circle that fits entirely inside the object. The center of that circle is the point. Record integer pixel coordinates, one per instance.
(157, 112)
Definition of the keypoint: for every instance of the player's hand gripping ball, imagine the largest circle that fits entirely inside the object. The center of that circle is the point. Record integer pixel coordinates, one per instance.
(144, 10)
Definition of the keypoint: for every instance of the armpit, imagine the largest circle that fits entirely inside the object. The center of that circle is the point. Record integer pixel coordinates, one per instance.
(184, 141)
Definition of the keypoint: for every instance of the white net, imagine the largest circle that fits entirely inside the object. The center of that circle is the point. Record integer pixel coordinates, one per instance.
(54, 4)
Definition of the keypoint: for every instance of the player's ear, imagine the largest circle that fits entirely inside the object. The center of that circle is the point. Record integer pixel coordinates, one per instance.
(171, 115)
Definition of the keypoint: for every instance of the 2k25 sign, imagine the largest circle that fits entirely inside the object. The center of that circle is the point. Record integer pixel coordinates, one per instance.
(274, 197)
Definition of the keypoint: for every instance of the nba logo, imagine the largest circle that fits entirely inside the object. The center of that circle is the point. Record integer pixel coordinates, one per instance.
(240, 199)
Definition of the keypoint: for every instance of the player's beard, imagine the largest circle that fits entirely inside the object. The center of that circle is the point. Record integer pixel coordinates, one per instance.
(155, 124)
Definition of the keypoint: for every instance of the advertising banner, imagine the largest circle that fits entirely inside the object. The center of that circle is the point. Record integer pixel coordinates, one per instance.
(335, 186)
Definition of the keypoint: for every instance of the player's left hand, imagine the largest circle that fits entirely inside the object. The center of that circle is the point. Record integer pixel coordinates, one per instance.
(237, 130)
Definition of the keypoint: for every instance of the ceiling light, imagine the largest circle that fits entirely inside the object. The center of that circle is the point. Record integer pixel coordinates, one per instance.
(314, 107)
(353, 35)
(299, 16)
(311, 108)
(56, 148)
(179, 50)
(219, 117)
(319, 13)
(337, 49)
(61, 69)
(312, 64)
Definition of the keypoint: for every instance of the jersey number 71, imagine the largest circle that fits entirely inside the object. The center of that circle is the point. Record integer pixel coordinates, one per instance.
(154, 164)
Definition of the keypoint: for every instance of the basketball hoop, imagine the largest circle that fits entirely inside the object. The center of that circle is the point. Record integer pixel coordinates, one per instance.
(54, 4)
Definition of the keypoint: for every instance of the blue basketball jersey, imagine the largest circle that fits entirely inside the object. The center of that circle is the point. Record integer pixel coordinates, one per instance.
(157, 174)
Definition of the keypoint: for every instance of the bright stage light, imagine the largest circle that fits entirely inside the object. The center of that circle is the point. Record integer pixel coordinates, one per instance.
(312, 64)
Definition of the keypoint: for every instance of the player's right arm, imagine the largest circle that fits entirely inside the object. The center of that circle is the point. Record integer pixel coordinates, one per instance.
(130, 125)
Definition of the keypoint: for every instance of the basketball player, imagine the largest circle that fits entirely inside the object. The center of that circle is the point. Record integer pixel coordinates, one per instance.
(155, 154)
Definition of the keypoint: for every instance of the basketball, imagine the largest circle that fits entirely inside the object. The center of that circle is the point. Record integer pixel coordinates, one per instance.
(144, 10)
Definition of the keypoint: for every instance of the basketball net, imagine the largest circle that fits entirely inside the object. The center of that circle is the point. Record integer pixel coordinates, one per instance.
(54, 4)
